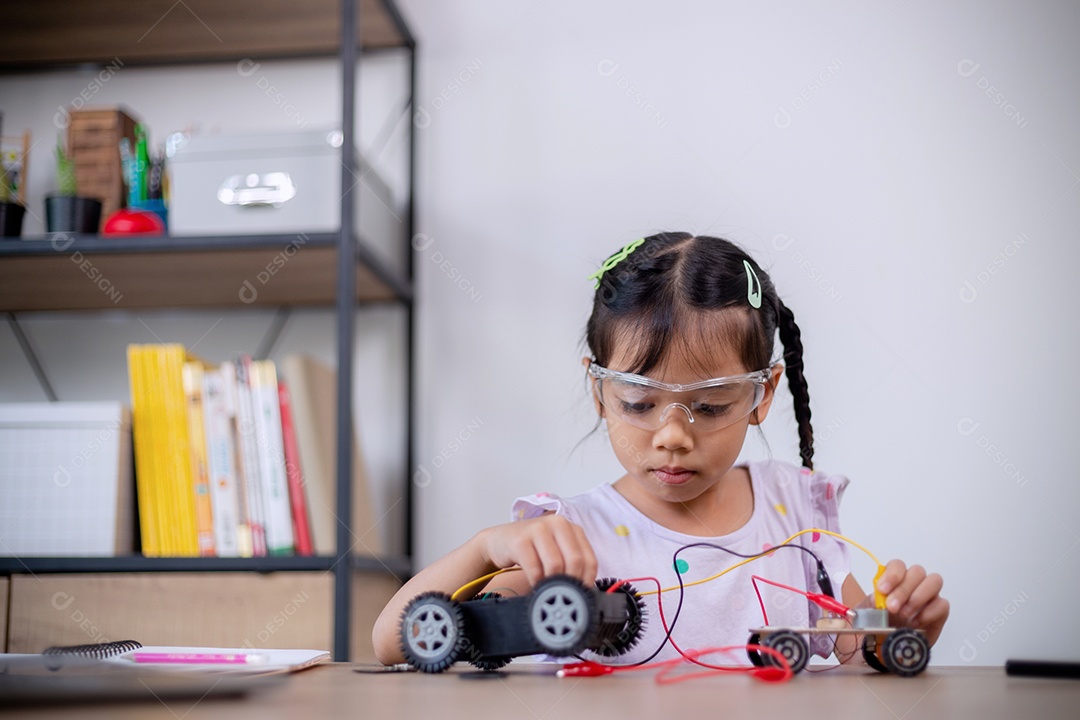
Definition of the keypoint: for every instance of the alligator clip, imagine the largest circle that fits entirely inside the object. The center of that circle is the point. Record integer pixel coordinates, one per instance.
(585, 669)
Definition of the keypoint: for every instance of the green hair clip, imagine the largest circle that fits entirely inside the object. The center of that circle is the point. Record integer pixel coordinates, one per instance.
(615, 259)
(752, 296)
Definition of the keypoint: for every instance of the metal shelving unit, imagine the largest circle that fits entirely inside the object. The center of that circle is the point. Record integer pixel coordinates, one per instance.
(38, 275)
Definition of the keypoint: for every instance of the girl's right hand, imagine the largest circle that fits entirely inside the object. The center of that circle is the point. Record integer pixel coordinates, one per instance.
(542, 546)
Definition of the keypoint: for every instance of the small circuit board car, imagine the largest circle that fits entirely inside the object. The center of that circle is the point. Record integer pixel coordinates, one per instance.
(560, 616)
(901, 651)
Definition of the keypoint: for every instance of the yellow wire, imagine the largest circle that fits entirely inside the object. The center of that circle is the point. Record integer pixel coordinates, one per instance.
(470, 588)
(757, 557)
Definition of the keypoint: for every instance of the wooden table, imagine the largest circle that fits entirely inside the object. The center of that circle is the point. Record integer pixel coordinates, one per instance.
(530, 691)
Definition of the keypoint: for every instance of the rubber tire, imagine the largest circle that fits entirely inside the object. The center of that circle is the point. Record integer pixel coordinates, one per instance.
(432, 632)
(490, 664)
(562, 615)
(870, 653)
(792, 646)
(905, 652)
(617, 641)
(754, 655)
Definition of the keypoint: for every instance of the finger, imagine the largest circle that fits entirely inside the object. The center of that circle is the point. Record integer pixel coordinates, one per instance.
(570, 547)
(547, 548)
(935, 613)
(893, 576)
(529, 560)
(932, 618)
(578, 553)
(592, 565)
(926, 591)
(899, 596)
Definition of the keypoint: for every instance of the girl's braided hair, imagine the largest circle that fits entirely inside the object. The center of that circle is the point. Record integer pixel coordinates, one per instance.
(663, 293)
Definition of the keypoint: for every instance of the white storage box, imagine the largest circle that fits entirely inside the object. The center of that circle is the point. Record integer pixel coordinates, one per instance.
(66, 484)
(279, 183)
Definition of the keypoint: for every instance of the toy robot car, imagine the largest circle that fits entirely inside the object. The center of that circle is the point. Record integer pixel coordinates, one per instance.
(560, 616)
(901, 651)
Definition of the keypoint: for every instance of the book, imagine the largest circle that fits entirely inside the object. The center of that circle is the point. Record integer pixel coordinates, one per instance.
(143, 448)
(192, 375)
(266, 410)
(182, 534)
(313, 391)
(162, 450)
(221, 464)
(294, 474)
(246, 444)
(245, 543)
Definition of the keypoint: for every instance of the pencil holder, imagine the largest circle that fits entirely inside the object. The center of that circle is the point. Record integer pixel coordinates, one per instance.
(72, 213)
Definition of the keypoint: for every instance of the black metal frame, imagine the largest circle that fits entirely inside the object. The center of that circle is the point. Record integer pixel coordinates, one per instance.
(351, 250)
(348, 251)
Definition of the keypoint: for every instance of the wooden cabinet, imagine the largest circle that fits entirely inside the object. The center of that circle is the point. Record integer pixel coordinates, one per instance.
(227, 609)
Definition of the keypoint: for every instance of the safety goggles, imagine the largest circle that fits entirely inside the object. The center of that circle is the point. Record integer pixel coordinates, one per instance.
(649, 404)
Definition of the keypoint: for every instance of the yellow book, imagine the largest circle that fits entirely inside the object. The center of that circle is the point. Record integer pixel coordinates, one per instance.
(192, 373)
(155, 390)
(155, 439)
(144, 472)
(160, 437)
(163, 453)
(178, 447)
(156, 479)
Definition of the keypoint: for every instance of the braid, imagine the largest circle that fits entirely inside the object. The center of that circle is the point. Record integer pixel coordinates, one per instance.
(791, 338)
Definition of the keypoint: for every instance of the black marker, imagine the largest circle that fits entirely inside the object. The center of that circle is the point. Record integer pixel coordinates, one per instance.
(1043, 668)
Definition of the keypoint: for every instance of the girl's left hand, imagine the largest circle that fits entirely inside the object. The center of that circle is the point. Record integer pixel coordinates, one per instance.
(913, 598)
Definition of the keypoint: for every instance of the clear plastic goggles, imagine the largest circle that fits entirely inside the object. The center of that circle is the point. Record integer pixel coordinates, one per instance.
(649, 404)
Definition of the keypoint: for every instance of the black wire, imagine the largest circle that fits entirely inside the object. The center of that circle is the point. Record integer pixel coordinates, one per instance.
(682, 587)
(836, 652)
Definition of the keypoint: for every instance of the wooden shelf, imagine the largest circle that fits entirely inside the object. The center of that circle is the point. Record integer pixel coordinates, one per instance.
(93, 273)
(395, 565)
(49, 33)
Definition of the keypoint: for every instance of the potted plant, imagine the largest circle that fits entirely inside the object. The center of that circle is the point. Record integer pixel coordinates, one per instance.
(11, 210)
(66, 211)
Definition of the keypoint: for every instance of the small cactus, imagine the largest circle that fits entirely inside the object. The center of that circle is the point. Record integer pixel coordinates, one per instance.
(9, 176)
(65, 171)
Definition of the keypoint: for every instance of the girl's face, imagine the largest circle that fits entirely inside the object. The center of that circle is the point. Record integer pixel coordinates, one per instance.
(678, 463)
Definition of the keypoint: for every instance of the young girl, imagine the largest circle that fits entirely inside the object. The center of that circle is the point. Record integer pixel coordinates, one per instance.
(681, 341)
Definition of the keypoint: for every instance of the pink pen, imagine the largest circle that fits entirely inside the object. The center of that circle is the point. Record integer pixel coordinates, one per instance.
(198, 658)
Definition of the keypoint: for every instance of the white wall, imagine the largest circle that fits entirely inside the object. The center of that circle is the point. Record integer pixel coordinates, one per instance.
(919, 228)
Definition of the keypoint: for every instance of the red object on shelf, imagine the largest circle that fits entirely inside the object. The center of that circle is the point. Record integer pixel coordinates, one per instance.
(133, 222)
(298, 503)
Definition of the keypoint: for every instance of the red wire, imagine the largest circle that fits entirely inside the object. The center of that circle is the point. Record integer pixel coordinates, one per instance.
(821, 600)
(768, 674)
(761, 602)
(771, 674)
(755, 578)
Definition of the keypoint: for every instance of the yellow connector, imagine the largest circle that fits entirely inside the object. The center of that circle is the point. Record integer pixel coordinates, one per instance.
(879, 597)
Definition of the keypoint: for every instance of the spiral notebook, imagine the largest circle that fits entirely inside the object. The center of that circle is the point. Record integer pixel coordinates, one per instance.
(163, 659)
(108, 672)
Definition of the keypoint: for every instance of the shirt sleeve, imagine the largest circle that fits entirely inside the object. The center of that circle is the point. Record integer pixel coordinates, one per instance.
(530, 506)
(825, 492)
